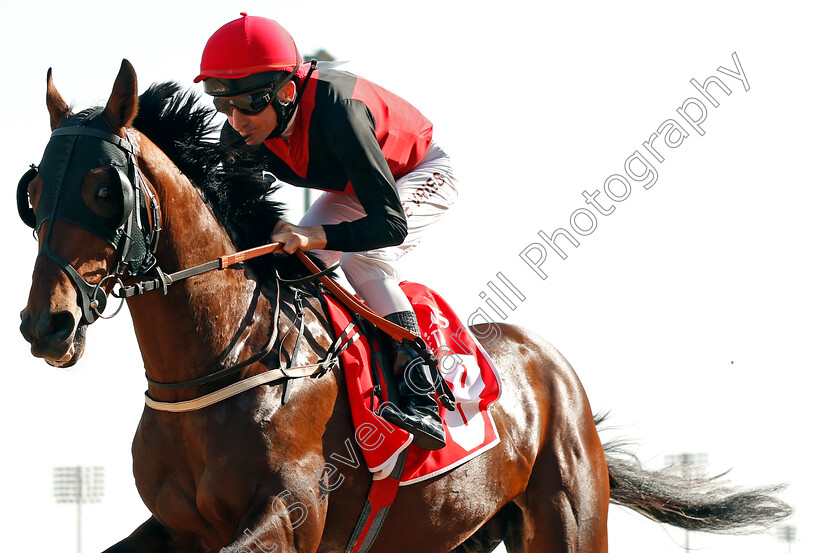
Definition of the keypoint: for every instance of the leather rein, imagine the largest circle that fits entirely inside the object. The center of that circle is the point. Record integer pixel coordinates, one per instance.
(163, 280)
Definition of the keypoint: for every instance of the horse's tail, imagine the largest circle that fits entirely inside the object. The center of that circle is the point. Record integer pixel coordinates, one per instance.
(705, 504)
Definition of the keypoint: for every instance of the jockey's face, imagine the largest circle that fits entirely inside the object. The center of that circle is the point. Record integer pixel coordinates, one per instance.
(256, 127)
(253, 128)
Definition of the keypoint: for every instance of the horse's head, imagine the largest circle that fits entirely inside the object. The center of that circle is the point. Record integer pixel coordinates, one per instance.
(86, 198)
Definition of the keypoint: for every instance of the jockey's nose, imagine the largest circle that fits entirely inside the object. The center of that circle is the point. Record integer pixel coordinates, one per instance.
(235, 119)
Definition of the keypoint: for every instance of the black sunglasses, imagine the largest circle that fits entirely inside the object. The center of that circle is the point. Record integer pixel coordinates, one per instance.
(249, 104)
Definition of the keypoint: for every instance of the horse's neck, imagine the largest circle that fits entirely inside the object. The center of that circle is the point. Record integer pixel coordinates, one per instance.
(188, 332)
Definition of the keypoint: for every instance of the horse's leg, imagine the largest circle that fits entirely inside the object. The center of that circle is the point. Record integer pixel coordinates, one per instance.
(504, 526)
(150, 537)
(565, 504)
(288, 523)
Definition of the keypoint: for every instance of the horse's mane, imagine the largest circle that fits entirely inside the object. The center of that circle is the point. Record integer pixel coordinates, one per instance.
(233, 184)
(179, 125)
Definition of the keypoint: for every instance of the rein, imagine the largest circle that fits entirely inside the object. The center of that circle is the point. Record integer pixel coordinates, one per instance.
(163, 280)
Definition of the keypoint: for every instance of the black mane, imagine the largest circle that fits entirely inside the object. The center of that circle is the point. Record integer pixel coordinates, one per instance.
(179, 125)
(238, 192)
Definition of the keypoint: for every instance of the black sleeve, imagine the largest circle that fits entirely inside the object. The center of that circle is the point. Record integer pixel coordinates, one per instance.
(349, 132)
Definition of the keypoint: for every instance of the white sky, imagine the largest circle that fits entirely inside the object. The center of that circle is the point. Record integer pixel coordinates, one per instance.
(702, 312)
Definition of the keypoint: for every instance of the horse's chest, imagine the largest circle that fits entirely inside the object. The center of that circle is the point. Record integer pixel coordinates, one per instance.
(197, 481)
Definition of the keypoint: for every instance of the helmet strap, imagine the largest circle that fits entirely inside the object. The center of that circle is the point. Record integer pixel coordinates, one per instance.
(285, 111)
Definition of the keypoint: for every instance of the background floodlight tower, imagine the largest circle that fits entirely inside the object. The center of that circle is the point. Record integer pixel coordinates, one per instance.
(691, 466)
(78, 485)
(787, 533)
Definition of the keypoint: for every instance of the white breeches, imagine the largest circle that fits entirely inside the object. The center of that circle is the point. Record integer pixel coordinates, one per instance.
(426, 193)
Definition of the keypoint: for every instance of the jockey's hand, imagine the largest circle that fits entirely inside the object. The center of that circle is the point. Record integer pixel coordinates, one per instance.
(296, 238)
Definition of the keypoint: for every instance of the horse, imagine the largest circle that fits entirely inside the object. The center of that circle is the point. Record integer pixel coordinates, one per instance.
(140, 186)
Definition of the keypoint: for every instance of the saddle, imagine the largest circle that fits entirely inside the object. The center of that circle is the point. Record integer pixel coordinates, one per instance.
(466, 371)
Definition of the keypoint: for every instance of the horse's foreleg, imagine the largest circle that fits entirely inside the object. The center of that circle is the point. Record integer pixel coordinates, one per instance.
(150, 537)
(286, 525)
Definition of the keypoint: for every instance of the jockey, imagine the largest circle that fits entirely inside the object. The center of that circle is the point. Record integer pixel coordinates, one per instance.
(385, 180)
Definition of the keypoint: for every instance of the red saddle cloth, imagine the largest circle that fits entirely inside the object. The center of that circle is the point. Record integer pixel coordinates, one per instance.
(465, 366)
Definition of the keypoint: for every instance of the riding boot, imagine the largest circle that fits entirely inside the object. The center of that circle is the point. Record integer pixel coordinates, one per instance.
(418, 410)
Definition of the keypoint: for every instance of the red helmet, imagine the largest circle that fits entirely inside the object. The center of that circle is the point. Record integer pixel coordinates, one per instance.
(248, 46)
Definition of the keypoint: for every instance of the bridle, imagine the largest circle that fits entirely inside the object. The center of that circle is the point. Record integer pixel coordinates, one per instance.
(81, 144)
(135, 239)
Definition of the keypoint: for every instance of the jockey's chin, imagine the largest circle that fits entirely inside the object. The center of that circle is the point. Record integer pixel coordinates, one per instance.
(255, 128)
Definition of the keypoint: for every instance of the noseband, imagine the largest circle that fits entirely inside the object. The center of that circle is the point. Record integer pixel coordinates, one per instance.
(81, 144)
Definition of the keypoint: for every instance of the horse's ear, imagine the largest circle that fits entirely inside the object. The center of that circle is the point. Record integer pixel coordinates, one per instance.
(122, 105)
(58, 108)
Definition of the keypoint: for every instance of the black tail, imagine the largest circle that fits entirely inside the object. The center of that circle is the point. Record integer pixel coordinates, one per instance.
(705, 504)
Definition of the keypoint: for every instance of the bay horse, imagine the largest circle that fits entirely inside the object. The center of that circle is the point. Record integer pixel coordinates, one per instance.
(143, 186)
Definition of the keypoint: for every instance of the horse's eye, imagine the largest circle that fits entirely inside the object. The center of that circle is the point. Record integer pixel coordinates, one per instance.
(103, 193)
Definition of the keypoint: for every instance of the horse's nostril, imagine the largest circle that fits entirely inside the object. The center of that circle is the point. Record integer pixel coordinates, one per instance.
(50, 327)
(61, 326)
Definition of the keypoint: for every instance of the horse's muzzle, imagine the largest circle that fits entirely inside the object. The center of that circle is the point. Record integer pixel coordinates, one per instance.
(53, 336)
